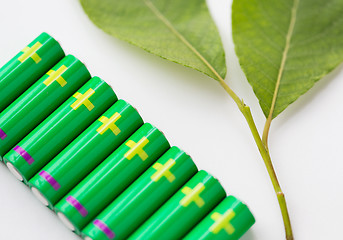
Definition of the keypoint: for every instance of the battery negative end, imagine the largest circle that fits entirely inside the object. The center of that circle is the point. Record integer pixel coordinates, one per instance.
(66, 221)
(14, 171)
(39, 196)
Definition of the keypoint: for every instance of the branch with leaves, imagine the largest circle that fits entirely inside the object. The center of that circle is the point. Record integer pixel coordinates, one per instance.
(283, 47)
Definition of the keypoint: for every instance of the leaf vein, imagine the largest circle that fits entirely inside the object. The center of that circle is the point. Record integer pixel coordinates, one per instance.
(168, 24)
(284, 57)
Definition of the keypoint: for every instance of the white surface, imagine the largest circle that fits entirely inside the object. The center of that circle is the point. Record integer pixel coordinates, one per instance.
(196, 115)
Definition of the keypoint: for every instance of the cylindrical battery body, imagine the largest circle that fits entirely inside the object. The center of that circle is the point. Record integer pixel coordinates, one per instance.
(60, 128)
(183, 210)
(143, 197)
(40, 100)
(229, 220)
(27, 67)
(112, 176)
(91, 147)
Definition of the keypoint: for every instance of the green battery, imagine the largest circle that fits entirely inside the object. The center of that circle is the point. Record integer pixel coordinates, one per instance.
(229, 220)
(80, 157)
(40, 100)
(59, 129)
(183, 210)
(143, 197)
(28, 66)
(111, 177)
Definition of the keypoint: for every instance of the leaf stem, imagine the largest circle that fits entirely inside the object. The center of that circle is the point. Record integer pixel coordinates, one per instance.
(265, 156)
(245, 111)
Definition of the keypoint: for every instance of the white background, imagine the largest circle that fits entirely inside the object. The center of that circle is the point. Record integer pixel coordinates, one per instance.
(197, 115)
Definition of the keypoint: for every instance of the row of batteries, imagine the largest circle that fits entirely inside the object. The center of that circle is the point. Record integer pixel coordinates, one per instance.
(90, 157)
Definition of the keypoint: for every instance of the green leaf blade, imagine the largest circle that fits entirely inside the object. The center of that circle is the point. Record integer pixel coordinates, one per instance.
(179, 31)
(284, 48)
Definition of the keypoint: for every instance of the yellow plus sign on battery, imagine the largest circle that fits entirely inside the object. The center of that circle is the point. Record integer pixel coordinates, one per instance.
(163, 171)
(137, 149)
(192, 195)
(82, 99)
(56, 76)
(109, 123)
(30, 52)
(223, 222)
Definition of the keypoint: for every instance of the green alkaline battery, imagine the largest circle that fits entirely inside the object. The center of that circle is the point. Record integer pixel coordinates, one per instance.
(40, 100)
(80, 157)
(183, 210)
(59, 129)
(27, 66)
(229, 220)
(141, 199)
(111, 177)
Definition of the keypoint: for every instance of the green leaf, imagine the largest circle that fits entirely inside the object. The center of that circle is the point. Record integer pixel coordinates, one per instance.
(285, 46)
(178, 30)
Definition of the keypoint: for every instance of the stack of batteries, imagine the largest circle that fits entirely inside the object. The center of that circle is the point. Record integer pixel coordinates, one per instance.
(90, 157)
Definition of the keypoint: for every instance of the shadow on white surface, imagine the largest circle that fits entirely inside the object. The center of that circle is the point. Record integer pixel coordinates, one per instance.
(249, 235)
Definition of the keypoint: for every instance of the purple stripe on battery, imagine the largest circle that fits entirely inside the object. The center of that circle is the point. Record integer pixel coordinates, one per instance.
(3, 135)
(24, 154)
(50, 179)
(76, 204)
(103, 227)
